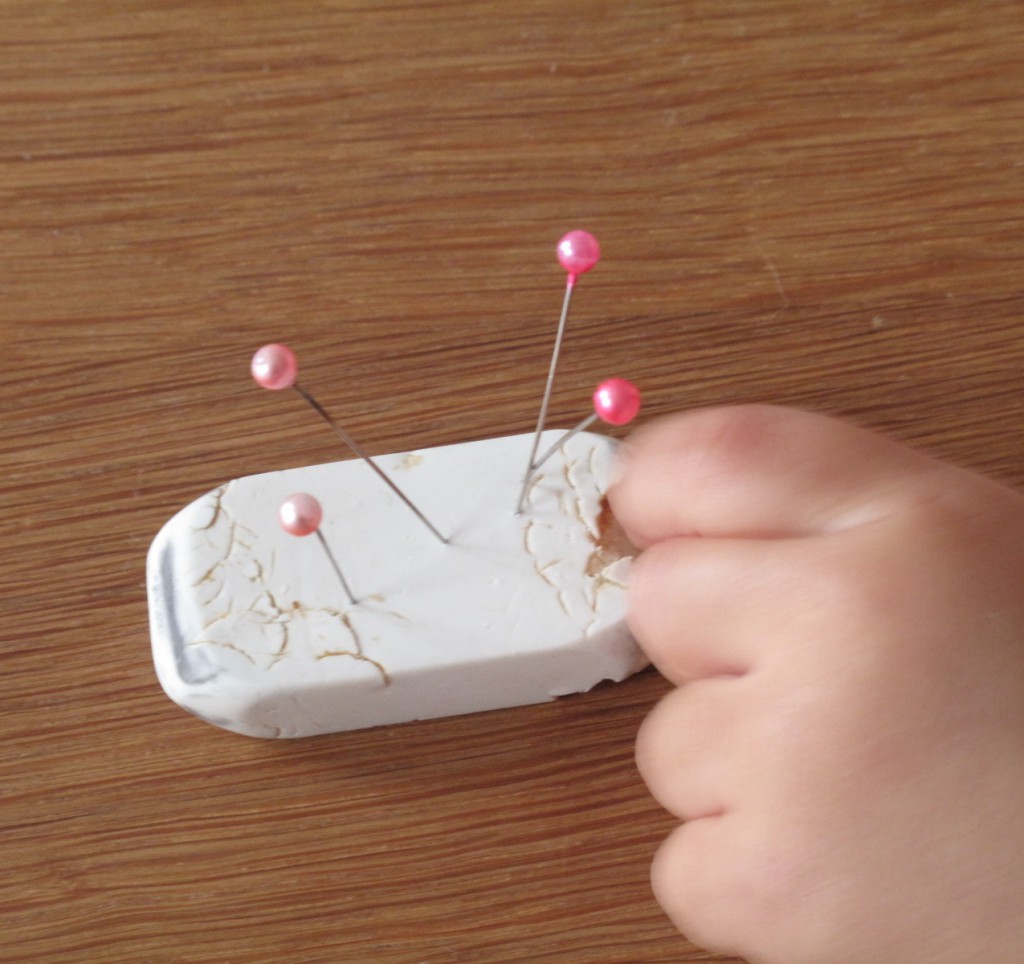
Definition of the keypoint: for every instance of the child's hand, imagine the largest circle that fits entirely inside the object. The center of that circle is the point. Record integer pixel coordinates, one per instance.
(845, 620)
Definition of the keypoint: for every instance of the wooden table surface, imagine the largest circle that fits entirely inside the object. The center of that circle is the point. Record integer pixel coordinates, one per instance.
(809, 204)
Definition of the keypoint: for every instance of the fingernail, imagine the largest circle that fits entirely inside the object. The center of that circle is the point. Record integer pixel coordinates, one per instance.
(620, 467)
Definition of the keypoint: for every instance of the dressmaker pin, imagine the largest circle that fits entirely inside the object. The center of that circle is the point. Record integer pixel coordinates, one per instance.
(275, 367)
(300, 514)
(616, 402)
(578, 252)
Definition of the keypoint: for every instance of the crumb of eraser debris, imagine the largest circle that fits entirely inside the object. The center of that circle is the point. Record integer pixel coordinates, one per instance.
(252, 632)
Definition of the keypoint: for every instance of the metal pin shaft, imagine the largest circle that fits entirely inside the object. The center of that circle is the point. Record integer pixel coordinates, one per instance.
(582, 427)
(351, 443)
(334, 562)
(547, 394)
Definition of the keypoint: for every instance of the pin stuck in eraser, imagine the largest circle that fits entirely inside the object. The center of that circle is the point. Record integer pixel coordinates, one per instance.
(253, 631)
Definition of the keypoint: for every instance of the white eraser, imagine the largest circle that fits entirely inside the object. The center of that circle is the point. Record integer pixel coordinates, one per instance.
(252, 630)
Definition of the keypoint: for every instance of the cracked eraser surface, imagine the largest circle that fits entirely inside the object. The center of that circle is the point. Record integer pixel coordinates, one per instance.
(251, 629)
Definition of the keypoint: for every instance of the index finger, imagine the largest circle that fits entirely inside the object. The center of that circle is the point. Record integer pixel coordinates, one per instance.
(757, 471)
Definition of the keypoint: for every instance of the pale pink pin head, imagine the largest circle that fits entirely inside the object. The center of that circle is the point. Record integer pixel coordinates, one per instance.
(616, 401)
(274, 367)
(300, 514)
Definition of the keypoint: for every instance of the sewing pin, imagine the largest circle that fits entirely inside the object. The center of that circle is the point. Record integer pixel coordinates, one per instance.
(616, 402)
(275, 367)
(578, 252)
(300, 514)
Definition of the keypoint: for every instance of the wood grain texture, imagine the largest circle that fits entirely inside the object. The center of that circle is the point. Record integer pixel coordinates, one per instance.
(809, 204)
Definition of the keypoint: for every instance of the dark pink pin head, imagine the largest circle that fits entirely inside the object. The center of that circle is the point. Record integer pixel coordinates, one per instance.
(274, 367)
(578, 252)
(616, 401)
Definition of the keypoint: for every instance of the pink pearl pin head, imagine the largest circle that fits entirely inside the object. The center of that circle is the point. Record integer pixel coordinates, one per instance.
(578, 252)
(616, 401)
(274, 367)
(300, 514)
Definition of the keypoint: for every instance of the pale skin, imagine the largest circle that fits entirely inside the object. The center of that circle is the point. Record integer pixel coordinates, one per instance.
(843, 618)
